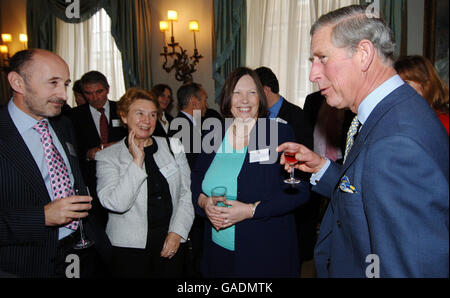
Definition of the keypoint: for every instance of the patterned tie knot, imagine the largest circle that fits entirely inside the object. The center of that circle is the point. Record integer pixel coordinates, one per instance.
(351, 135)
(41, 127)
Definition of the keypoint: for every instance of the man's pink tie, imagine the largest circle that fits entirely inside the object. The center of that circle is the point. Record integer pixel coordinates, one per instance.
(57, 170)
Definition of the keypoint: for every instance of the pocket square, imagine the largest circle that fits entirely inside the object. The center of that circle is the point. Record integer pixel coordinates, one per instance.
(345, 185)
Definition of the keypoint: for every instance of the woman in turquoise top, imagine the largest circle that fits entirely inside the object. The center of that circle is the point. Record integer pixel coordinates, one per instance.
(254, 234)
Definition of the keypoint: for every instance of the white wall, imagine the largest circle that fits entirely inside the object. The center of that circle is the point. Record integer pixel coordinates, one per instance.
(200, 10)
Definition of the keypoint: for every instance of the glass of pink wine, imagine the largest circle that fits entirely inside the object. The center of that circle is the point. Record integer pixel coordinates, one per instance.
(289, 157)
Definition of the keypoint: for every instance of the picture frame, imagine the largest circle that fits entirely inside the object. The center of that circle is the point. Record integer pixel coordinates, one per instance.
(435, 41)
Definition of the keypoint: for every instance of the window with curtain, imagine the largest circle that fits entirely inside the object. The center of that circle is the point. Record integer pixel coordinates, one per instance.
(90, 46)
(278, 38)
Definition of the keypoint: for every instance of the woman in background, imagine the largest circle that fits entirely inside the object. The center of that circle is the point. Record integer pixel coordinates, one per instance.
(418, 72)
(164, 96)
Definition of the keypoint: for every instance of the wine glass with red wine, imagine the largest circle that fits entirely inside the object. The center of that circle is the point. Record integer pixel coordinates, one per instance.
(289, 157)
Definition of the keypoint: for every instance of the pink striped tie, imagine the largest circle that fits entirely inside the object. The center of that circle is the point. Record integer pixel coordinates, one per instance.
(57, 170)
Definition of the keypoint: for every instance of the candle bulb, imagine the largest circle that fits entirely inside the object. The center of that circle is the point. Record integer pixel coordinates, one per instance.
(163, 26)
(6, 37)
(193, 26)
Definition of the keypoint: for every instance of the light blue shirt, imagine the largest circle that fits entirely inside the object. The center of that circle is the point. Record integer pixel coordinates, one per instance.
(364, 110)
(275, 109)
(224, 171)
(24, 124)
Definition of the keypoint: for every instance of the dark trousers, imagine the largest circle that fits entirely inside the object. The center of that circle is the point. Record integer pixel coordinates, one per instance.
(147, 263)
(194, 250)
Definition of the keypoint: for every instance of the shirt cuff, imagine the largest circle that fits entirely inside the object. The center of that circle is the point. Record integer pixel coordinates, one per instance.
(316, 177)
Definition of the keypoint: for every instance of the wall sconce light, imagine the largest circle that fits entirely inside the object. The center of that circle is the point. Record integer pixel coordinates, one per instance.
(183, 65)
(6, 37)
(4, 50)
(23, 39)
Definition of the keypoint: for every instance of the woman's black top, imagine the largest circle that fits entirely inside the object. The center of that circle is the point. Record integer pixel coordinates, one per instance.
(159, 208)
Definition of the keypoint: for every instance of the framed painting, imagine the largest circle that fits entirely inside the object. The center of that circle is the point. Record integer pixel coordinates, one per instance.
(435, 41)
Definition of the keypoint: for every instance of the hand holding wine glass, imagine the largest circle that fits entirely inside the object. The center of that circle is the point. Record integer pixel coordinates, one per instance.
(307, 161)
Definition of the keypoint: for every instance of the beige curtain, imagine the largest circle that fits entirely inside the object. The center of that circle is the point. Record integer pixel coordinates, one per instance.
(278, 37)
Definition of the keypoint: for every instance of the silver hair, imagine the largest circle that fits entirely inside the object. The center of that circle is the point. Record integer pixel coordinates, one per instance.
(355, 23)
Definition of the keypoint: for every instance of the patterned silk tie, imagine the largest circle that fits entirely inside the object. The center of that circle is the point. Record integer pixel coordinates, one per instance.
(57, 170)
(103, 126)
(351, 135)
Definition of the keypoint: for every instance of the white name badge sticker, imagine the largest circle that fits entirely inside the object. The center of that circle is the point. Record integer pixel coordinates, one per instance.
(169, 170)
(279, 120)
(71, 149)
(259, 155)
(116, 122)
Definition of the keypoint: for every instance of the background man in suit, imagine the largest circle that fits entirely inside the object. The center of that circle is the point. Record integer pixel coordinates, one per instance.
(279, 107)
(37, 200)
(395, 171)
(97, 126)
(191, 97)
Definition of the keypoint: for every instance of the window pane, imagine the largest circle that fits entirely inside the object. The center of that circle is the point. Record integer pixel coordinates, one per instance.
(90, 46)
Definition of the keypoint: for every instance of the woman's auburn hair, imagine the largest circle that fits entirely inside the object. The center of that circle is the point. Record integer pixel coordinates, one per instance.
(420, 70)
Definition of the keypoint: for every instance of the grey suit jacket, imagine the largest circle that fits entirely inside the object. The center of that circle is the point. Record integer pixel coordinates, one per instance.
(122, 189)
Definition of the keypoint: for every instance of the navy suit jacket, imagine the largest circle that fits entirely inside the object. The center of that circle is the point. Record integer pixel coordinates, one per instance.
(27, 246)
(187, 138)
(87, 137)
(399, 165)
(266, 245)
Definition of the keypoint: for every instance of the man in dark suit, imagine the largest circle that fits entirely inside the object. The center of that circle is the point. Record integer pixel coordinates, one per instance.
(283, 110)
(97, 126)
(39, 173)
(279, 108)
(388, 211)
(187, 126)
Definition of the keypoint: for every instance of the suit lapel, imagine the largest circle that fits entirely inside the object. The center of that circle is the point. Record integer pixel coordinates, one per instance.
(91, 129)
(380, 110)
(283, 110)
(14, 149)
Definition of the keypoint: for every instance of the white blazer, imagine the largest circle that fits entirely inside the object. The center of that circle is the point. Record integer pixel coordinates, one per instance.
(122, 189)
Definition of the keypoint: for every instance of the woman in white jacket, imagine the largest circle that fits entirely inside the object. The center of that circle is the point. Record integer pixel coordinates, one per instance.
(144, 182)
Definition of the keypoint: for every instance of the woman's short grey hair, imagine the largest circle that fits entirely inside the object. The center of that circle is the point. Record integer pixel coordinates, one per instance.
(355, 23)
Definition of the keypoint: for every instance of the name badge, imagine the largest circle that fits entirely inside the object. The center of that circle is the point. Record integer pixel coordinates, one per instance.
(71, 149)
(259, 155)
(169, 170)
(279, 120)
(116, 123)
